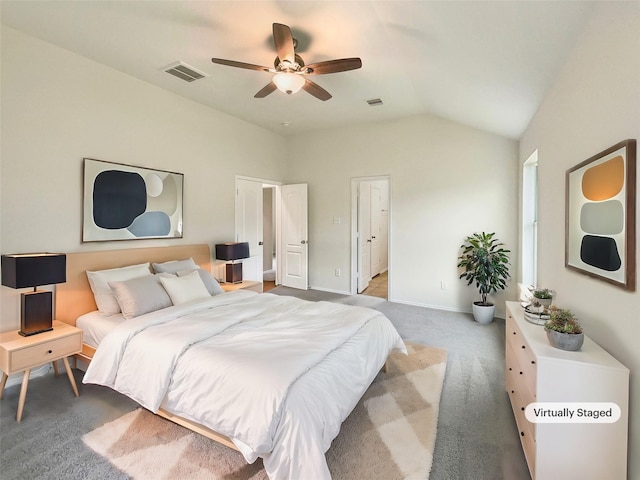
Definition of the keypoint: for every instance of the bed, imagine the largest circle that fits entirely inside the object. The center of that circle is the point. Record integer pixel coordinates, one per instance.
(271, 376)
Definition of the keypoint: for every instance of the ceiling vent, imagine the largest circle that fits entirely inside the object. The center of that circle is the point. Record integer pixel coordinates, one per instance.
(374, 102)
(184, 71)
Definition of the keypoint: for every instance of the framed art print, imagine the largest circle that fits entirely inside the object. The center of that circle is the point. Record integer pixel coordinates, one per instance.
(125, 202)
(600, 216)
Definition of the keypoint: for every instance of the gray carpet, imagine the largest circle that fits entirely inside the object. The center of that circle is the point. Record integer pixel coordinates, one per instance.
(477, 437)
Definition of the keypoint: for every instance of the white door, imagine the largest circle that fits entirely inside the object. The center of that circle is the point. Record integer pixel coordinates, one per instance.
(294, 240)
(364, 235)
(249, 225)
(376, 233)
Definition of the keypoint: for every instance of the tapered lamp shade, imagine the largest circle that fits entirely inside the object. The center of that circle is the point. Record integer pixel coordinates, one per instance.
(33, 270)
(232, 252)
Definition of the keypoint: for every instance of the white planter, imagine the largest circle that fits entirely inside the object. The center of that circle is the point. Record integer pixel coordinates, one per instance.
(482, 313)
(545, 302)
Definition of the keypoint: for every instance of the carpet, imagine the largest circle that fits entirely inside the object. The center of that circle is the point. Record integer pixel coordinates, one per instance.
(389, 435)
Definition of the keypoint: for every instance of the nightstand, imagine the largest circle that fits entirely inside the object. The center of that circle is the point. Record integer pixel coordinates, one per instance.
(21, 354)
(245, 285)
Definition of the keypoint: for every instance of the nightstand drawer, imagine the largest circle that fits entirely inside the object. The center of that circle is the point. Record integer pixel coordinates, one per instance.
(45, 352)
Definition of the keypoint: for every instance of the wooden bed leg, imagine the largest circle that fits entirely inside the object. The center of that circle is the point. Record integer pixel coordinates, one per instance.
(385, 368)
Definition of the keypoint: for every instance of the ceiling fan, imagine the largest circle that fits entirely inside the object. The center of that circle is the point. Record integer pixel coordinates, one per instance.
(289, 68)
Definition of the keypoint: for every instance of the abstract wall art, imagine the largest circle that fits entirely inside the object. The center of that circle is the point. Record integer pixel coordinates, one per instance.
(125, 202)
(600, 216)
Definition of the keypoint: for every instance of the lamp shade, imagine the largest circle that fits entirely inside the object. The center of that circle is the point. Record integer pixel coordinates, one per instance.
(288, 82)
(232, 251)
(33, 269)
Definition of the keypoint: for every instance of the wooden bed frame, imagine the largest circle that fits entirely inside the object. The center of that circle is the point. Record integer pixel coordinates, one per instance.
(75, 298)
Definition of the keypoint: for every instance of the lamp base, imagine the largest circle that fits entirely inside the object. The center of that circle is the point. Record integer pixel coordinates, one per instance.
(234, 273)
(36, 313)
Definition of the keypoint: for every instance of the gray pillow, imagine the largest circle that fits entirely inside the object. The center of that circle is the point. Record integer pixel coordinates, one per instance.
(174, 266)
(213, 287)
(141, 295)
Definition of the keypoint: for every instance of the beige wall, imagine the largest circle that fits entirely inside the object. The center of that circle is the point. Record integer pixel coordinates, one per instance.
(446, 180)
(594, 104)
(58, 107)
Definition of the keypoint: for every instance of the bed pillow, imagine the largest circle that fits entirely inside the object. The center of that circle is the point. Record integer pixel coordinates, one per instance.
(185, 289)
(174, 266)
(99, 280)
(141, 295)
(213, 287)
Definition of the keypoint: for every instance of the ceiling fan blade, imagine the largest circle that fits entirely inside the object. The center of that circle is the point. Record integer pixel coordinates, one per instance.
(333, 66)
(233, 63)
(284, 42)
(268, 88)
(316, 90)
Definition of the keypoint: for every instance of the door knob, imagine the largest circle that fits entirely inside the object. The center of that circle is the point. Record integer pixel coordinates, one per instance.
(303, 242)
(260, 243)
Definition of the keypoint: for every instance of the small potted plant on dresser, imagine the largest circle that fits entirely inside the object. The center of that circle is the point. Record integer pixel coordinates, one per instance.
(563, 330)
(485, 262)
(543, 297)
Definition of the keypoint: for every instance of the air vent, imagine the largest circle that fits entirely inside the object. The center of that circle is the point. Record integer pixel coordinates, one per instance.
(374, 102)
(184, 71)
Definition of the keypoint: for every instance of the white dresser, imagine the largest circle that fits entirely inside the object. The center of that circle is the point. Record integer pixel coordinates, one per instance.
(537, 372)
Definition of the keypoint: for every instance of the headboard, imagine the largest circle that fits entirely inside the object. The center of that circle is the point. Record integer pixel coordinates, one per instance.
(75, 297)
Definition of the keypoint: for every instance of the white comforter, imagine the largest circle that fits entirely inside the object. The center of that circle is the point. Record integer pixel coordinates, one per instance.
(275, 374)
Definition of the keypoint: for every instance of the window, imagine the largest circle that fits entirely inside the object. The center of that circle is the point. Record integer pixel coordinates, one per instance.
(530, 220)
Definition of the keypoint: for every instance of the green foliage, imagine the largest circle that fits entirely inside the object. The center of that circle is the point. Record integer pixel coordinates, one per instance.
(485, 262)
(563, 321)
(544, 293)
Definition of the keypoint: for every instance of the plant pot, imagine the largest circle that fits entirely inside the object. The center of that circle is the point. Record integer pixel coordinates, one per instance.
(483, 313)
(545, 302)
(565, 341)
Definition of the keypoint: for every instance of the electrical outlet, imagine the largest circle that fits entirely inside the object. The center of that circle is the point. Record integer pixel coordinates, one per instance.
(338, 273)
(443, 285)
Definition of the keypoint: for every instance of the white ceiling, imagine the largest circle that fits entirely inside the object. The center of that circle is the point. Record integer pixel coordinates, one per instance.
(483, 64)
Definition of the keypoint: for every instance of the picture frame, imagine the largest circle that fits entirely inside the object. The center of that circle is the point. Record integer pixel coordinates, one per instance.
(127, 202)
(600, 225)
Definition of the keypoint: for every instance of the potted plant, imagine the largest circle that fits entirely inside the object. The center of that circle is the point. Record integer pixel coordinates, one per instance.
(563, 330)
(485, 262)
(543, 297)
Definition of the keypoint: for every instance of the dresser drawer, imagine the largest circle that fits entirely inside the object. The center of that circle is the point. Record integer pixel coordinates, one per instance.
(41, 353)
(524, 356)
(526, 430)
(520, 397)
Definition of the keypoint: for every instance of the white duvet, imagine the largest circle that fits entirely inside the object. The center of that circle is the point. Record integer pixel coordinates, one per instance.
(275, 374)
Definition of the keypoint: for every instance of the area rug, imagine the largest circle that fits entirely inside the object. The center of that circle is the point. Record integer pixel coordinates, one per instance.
(389, 435)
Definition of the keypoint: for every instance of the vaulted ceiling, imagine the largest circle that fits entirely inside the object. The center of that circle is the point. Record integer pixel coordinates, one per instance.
(487, 64)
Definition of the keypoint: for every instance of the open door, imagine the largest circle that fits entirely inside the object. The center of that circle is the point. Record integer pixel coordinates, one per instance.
(249, 198)
(294, 241)
(364, 235)
(292, 230)
(370, 209)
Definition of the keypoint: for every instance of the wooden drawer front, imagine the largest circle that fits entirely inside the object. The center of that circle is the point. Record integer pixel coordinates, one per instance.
(526, 430)
(45, 352)
(524, 355)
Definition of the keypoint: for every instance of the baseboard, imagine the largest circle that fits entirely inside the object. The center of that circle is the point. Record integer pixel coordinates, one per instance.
(439, 307)
(328, 290)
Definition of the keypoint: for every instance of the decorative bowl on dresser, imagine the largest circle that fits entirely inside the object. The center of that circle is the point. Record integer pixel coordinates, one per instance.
(536, 372)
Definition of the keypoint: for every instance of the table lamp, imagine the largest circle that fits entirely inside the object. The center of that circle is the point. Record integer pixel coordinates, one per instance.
(233, 252)
(32, 270)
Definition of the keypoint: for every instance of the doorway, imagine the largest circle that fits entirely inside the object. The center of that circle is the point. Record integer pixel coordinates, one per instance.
(269, 250)
(370, 236)
(272, 218)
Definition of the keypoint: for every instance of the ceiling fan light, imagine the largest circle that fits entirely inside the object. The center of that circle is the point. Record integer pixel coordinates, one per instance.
(288, 82)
